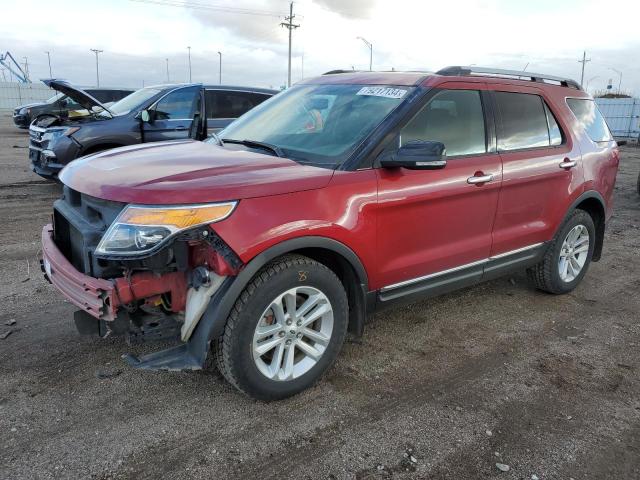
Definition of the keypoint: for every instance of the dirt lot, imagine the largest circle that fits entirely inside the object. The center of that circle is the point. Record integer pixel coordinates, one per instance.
(447, 388)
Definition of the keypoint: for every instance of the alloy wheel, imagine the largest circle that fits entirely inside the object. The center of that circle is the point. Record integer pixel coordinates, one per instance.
(573, 253)
(292, 333)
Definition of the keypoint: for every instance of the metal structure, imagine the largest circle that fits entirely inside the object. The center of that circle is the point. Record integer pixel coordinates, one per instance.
(288, 24)
(10, 63)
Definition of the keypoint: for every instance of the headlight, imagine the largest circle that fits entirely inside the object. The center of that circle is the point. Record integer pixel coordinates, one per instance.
(141, 229)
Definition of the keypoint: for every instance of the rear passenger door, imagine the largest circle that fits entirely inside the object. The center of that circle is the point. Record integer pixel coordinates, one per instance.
(541, 168)
(224, 106)
(172, 115)
(434, 226)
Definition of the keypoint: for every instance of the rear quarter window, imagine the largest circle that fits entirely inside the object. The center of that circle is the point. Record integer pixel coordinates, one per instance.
(590, 118)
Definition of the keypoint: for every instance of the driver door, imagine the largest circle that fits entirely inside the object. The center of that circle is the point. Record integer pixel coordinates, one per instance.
(435, 226)
(171, 117)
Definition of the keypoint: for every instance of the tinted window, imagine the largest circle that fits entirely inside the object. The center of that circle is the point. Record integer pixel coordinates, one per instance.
(453, 117)
(231, 104)
(555, 134)
(178, 104)
(589, 116)
(134, 101)
(524, 122)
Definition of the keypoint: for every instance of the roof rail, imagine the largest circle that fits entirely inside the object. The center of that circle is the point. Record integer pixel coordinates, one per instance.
(334, 72)
(496, 72)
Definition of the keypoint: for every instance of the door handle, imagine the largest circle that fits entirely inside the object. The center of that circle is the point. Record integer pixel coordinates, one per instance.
(567, 164)
(479, 179)
(177, 129)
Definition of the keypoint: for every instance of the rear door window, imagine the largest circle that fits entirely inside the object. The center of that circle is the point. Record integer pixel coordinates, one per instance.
(523, 121)
(555, 134)
(231, 104)
(589, 116)
(453, 117)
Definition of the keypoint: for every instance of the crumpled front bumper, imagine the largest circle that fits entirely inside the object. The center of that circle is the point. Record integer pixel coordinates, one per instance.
(101, 298)
(93, 295)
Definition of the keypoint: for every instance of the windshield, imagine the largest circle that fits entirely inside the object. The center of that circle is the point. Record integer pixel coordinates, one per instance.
(57, 96)
(317, 124)
(130, 102)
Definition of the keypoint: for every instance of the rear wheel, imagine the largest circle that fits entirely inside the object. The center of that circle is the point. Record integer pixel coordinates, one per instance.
(567, 259)
(285, 329)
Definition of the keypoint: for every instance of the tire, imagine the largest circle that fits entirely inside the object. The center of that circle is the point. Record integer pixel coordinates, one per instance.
(266, 377)
(546, 275)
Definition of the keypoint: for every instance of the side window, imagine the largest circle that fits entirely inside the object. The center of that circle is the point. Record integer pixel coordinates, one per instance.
(453, 117)
(231, 104)
(524, 121)
(555, 134)
(589, 116)
(179, 104)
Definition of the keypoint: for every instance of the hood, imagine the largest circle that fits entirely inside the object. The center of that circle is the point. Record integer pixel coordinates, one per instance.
(186, 171)
(77, 94)
(31, 105)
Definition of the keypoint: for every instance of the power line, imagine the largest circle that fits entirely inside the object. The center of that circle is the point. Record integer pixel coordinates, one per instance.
(217, 8)
(290, 25)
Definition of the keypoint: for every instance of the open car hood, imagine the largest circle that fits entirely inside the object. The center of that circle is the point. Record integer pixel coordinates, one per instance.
(77, 94)
(186, 171)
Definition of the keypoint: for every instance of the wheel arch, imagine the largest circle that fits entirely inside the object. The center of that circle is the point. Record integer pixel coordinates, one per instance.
(335, 255)
(592, 203)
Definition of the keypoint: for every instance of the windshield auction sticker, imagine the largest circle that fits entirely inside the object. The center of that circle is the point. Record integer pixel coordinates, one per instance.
(387, 92)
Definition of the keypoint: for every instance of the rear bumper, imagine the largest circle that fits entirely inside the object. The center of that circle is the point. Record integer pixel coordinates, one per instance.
(93, 295)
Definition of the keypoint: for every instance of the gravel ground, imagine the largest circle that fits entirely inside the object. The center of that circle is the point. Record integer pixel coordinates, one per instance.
(447, 388)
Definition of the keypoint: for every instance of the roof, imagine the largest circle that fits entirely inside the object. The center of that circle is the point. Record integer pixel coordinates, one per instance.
(368, 78)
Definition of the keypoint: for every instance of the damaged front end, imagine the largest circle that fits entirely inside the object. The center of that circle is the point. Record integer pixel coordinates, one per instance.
(145, 272)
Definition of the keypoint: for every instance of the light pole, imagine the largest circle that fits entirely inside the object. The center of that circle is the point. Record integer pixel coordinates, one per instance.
(167, 60)
(589, 81)
(96, 51)
(220, 68)
(620, 80)
(189, 48)
(49, 59)
(370, 45)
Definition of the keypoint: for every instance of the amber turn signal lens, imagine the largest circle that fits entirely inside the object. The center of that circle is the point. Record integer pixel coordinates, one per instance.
(178, 217)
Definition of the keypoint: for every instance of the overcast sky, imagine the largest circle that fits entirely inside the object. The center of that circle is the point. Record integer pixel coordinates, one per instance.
(406, 34)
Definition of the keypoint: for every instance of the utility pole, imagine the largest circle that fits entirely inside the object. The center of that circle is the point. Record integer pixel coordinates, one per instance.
(49, 59)
(167, 60)
(370, 46)
(96, 51)
(583, 62)
(290, 25)
(220, 68)
(189, 48)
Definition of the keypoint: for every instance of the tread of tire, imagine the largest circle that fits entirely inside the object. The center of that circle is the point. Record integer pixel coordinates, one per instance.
(221, 350)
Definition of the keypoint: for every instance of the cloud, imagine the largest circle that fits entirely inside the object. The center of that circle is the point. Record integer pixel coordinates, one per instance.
(358, 9)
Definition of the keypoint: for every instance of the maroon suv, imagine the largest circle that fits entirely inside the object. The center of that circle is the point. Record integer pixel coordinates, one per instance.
(347, 193)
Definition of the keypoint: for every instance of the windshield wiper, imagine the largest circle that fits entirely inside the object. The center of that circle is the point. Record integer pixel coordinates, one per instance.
(255, 144)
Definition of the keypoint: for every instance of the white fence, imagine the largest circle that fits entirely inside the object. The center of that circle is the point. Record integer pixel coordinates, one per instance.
(622, 115)
(13, 94)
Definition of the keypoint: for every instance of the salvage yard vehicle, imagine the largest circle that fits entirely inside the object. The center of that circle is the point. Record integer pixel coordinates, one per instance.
(163, 112)
(61, 104)
(343, 195)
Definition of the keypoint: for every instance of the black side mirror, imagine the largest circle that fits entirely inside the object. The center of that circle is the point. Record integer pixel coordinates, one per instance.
(621, 143)
(417, 155)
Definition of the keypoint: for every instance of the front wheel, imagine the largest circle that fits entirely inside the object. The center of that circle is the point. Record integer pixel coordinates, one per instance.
(567, 259)
(285, 329)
